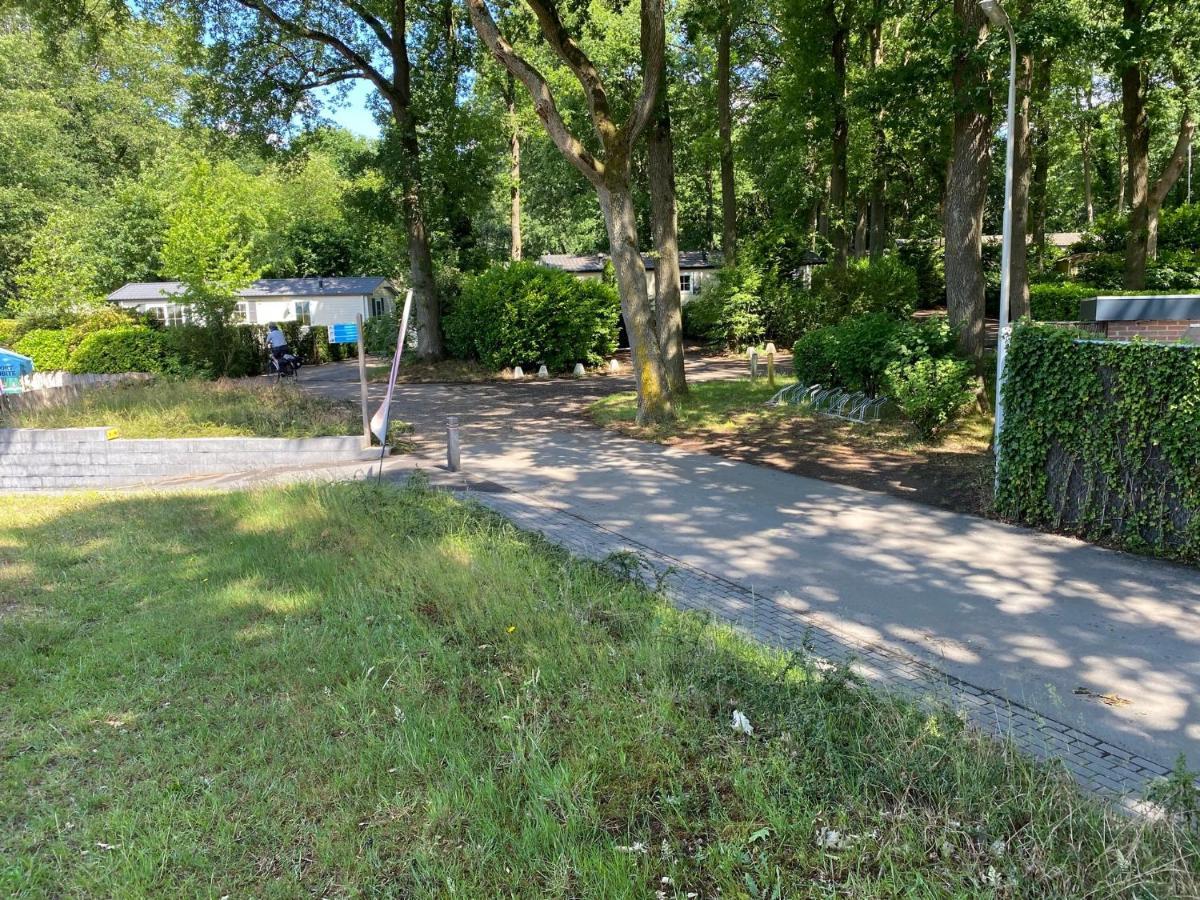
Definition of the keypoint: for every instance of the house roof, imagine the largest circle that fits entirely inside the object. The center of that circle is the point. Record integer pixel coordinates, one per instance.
(263, 287)
(594, 262)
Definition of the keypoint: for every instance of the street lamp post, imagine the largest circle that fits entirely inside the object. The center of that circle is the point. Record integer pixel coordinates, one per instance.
(998, 18)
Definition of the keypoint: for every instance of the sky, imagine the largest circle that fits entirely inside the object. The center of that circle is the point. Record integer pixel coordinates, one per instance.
(353, 113)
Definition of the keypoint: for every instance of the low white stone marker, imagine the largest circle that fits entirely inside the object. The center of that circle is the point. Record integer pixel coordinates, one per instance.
(614, 366)
(578, 370)
(518, 372)
(543, 372)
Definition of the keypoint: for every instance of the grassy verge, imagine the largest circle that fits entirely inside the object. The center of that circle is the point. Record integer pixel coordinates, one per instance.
(416, 371)
(337, 690)
(175, 409)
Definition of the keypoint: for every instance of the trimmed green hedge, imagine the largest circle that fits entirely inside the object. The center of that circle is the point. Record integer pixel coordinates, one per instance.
(1100, 440)
(523, 314)
(132, 348)
(1058, 301)
(49, 348)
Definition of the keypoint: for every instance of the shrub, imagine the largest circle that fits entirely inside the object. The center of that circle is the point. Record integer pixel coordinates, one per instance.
(10, 330)
(741, 323)
(929, 391)
(856, 354)
(49, 348)
(525, 314)
(102, 319)
(702, 317)
(1058, 301)
(380, 334)
(926, 259)
(887, 286)
(131, 348)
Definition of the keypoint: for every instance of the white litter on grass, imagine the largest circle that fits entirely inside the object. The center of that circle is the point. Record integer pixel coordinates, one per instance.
(830, 839)
(636, 847)
(741, 723)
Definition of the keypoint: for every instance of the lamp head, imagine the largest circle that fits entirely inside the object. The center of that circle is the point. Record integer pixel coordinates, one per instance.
(995, 13)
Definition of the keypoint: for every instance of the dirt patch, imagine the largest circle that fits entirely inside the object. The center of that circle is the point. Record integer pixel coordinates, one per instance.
(956, 476)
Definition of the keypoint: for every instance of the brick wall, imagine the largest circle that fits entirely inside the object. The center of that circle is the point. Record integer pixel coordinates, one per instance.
(1165, 330)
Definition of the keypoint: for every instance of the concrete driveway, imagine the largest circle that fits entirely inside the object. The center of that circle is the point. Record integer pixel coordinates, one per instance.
(1102, 641)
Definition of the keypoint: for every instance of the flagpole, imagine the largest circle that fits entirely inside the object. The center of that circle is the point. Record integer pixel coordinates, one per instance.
(382, 418)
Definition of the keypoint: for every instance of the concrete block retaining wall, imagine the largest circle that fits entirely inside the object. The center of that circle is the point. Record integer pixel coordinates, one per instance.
(63, 458)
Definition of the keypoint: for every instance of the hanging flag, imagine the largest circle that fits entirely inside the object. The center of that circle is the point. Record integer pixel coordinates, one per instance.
(383, 415)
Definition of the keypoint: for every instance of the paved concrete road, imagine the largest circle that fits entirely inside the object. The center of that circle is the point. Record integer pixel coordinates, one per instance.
(1103, 641)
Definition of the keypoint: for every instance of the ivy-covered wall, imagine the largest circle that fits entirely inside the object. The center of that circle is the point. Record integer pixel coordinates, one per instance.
(1102, 439)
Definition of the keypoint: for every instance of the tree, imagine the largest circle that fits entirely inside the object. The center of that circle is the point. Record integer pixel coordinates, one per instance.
(297, 47)
(1159, 44)
(966, 179)
(609, 173)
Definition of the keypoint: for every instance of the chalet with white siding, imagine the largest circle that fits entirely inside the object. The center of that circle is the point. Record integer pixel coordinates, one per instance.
(695, 268)
(309, 301)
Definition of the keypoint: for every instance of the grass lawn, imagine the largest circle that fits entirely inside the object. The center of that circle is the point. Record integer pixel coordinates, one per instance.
(730, 417)
(164, 408)
(418, 371)
(346, 690)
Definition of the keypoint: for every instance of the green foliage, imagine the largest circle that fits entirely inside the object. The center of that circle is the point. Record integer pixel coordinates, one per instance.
(9, 331)
(887, 286)
(49, 348)
(1100, 440)
(702, 316)
(1173, 270)
(131, 348)
(929, 391)
(1178, 794)
(1058, 301)
(927, 262)
(856, 354)
(380, 334)
(525, 314)
(738, 291)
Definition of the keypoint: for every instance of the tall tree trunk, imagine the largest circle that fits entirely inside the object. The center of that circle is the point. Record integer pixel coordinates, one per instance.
(1122, 171)
(1137, 151)
(1085, 151)
(1018, 268)
(966, 182)
(709, 220)
(649, 370)
(1040, 121)
(516, 250)
(664, 225)
(877, 213)
(725, 139)
(860, 229)
(1170, 175)
(839, 231)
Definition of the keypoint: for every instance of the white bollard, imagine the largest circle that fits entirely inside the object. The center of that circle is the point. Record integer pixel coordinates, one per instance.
(518, 372)
(452, 452)
(543, 372)
(614, 366)
(753, 363)
(770, 350)
(579, 370)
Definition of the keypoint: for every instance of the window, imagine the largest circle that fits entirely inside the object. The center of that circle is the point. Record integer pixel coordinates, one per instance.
(156, 312)
(304, 312)
(175, 314)
(378, 306)
(245, 312)
(685, 282)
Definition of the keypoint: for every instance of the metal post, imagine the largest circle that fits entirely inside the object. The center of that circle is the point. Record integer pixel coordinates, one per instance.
(452, 455)
(999, 18)
(362, 381)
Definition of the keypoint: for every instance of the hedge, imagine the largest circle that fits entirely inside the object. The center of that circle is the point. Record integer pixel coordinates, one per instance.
(132, 348)
(10, 329)
(49, 348)
(525, 314)
(1100, 440)
(1055, 301)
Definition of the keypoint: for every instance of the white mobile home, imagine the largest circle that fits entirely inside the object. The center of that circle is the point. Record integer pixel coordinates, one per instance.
(695, 268)
(309, 301)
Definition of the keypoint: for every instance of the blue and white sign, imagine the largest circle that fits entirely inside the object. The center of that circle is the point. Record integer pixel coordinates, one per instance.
(343, 333)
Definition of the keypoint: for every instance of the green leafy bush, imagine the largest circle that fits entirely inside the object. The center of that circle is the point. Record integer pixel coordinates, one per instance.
(1100, 439)
(738, 291)
(380, 334)
(856, 354)
(1054, 301)
(1174, 270)
(131, 348)
(525, 314)
(702, 317)
(887, 286)
(929, 391)
(10, 331)
(49, 348)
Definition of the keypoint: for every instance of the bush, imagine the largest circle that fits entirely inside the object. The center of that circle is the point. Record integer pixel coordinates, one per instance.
(741, 323)
(49, 348)
(380, 334)
(1058, 301)
(10, 331)
(525, 314)
(131, 348)
(929, 391)
(702, 317)
(855, 355)
(926, 259)
(887, 286)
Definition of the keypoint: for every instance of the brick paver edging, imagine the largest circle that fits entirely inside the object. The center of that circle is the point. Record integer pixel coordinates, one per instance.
(1098, 766)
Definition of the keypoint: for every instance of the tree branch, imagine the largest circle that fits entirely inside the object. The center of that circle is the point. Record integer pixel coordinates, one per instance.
(654, 60)
(381, 32)
(580, 65)
(543, 99)
(351, 55)
(1175, 164)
